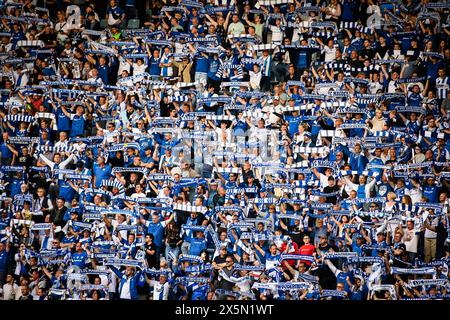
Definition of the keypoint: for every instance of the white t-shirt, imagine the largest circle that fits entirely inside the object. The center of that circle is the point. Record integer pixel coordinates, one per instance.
(255, 79)
(220, 132)
(139, 69)
(125, 293)
(277, 34)
(410, 239)
(429, 233)
(374, 86)
(123, 66)
(330, 53)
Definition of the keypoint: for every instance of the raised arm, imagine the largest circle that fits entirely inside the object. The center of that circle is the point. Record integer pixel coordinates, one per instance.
(48, 162)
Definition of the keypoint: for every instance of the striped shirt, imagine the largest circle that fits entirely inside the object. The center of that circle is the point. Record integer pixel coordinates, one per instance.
(442, 87)
(266, 65)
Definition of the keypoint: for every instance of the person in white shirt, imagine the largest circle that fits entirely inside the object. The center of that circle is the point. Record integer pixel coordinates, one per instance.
(10, 288)
(329, 50)
(277, 31)
(139, 192)
(63, 142)
(255, 77)
(236, 27)
(393, 84)
(21, 77)
(160, 288)
(362, 183)
(430, 223)
(410, 236)
(223, 133)
(139, 67)
(124, 65)
(374, 84)
(94, 77)
(323, 178)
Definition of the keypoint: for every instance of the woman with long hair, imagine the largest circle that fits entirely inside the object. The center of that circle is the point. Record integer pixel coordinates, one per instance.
(172, 240)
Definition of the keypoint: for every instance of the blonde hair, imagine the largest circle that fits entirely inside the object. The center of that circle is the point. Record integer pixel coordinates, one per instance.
(391, 196)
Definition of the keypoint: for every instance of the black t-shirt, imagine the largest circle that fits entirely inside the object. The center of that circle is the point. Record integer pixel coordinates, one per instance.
(26, 161)
(325, 248)
(219, 259)
(382, 50)
(367, 53)
(116, 162)
(48, 38)
(328, 189)
(297, 235)
(172, 237)
(218, 200)
(151, 258)
(225, 284)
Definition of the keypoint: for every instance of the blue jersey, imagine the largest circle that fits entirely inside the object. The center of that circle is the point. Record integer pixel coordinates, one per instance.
(202, 65)
(15, 187)
(431, 192)
(62, 120)
(101, 173)
(214, 65)
(6, 153)
(341, 278)
(155, 69)
(197, 245)
(66, 191)
(157, 230)
(78, 124)
(240, 128)
(79, 259)
(103, 73)
(3, 260)
(293, 124)
(415, 100)
(70, 239)
(199, 291)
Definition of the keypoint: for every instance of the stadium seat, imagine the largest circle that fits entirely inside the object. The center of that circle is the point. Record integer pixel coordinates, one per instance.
(134, 24)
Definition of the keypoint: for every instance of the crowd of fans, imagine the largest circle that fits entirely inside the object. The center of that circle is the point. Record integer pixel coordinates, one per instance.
(223, 149)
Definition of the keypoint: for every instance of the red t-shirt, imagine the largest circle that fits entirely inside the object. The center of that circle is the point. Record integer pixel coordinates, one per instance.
(308, 250)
